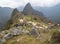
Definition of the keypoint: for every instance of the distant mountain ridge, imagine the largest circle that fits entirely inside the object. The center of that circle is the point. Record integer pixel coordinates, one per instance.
(28, 10)
(52, 13)
(5, 14)
(15, 15)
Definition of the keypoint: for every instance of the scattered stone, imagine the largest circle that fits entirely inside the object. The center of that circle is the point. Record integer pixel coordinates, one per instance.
(16, 25)
(58, 24)
(25, 31)
(16, 32)
(34, 32)
(2, 40)
(18, 40)
(33, 23)
(21, 20)
(2, 33)
(8, 36)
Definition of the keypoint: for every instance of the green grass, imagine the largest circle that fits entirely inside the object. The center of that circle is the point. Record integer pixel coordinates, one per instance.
(28, 39)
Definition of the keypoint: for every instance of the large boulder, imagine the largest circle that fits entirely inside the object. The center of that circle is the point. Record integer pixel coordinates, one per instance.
(8, 36)
(34, 32)
(16, 32)
(2, 40)
(25, 31)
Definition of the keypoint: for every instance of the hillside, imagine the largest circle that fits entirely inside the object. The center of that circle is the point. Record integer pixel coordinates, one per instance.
(29, 29)
(52, 13)
(5, 14)
(28, 10)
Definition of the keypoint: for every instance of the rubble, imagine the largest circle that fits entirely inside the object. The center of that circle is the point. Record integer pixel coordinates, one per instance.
(2, 40)
(34, 32)
(8, 36)
(17, 30)
(25, 31)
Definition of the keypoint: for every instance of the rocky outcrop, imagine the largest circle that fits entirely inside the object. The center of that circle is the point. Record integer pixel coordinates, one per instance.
(34, 32)
(28, 10)
(16, 15)
(12, 33)
(2, 40)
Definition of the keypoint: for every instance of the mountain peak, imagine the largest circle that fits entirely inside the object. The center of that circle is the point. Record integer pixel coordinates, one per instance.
(15, 15)
(28, 8)
(28, 4)
(15, 11)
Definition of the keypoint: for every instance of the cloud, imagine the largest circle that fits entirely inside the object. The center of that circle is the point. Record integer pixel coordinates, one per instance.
(8, 3)
(13, 3)
(45, 2)
(17, 3)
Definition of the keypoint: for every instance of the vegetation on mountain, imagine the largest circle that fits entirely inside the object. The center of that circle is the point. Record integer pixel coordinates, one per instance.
(29, 29)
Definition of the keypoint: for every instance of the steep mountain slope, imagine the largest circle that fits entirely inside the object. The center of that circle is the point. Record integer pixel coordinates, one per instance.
(5, 14)
(51, 13)
(14, 19)
(15, 15)
(28, 10)
(27, 29)
(29, 13)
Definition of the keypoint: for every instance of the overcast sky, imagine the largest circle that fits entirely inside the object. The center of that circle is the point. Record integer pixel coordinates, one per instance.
(17, 3)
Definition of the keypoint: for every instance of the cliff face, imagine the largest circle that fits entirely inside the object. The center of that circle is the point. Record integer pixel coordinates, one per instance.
(16, 15)
(14, 19)
(5, 13)
(28, 10)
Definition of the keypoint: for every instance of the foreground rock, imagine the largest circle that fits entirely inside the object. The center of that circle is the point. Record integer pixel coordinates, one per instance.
(34, 32)
(2, 40)
(55, 39)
